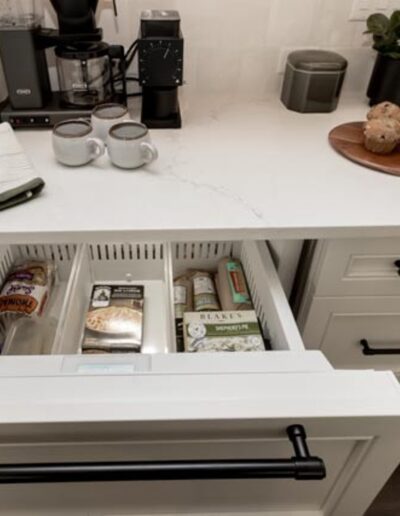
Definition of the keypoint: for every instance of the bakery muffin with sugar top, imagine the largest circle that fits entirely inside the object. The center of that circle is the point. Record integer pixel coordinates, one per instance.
(382, 135)
(384, 110)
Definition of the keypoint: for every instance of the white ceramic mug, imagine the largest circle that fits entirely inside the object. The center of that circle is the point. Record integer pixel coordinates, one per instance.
(74, 144)
(104, 116)
(129, 145)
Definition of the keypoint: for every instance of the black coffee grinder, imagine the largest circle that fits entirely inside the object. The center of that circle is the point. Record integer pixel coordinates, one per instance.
(89, 71)
(160, 47)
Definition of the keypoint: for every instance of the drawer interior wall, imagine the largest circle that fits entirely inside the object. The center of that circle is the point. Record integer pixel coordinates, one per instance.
(155, 265)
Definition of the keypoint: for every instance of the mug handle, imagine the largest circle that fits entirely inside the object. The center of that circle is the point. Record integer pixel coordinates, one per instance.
(96, 147)
(149, 152)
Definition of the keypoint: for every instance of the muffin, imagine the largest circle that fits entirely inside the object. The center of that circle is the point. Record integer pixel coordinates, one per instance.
(385, 110)
(381, 135)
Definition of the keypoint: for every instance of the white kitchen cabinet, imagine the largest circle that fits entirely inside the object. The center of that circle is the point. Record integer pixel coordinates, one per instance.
(350, 308)
(338, 327)
(161, 405)
(356, 267)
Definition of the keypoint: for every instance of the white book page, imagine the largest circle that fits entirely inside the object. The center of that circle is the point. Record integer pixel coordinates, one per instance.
(15, 168)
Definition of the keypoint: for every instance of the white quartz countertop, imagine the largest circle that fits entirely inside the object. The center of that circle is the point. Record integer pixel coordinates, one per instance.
(235, 170)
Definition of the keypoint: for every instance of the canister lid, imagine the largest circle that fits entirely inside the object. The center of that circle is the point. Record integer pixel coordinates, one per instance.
(317, 61)
(160, 15)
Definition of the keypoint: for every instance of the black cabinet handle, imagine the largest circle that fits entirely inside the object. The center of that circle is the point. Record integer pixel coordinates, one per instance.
(368, 351)
(300, 467)
(397, 264)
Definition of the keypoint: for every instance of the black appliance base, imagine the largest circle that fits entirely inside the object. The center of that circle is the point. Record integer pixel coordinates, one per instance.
(172, 122)
(48, 116)
(160, 108)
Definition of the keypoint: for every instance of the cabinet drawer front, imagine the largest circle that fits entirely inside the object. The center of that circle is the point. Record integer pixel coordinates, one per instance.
(359, 267)
(341, 455)
(337, 326)
(351, 419)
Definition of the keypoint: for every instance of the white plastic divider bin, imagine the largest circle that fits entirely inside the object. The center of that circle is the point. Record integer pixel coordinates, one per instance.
(63, 258)
(127, 263)
(268, 297)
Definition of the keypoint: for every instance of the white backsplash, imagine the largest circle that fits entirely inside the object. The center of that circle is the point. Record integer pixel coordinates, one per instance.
(237, 48)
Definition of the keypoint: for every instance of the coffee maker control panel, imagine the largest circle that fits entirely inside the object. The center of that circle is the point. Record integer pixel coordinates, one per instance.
(29, 121)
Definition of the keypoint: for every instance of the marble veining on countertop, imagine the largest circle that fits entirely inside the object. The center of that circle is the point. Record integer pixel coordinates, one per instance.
(245, 170)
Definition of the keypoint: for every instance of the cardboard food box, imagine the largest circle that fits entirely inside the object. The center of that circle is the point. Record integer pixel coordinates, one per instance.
(222, 331)
(114, 321)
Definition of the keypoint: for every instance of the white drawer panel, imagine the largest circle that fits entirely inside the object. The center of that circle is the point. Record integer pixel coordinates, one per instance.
(184, 497)
(337, 325)
(351, 419)
(358, 267)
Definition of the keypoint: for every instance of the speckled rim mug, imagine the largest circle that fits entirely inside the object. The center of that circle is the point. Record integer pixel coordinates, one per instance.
(129, 145)
(104, 116)
(74, 144)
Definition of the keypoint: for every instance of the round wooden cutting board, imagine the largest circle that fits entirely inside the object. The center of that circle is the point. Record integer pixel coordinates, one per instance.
(348, 140)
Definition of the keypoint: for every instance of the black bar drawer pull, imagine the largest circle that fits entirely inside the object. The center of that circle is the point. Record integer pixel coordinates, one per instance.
(300, 467)
(368, 351)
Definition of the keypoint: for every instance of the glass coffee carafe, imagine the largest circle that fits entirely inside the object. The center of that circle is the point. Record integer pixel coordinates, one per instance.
(84, 73)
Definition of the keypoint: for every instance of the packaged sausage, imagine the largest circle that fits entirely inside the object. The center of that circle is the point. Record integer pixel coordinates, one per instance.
(232, 287)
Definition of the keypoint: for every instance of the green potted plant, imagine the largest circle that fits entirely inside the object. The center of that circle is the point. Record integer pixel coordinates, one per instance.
(385, 79)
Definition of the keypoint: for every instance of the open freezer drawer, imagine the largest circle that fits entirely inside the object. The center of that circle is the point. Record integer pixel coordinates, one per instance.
(65, 407)
(154, 265)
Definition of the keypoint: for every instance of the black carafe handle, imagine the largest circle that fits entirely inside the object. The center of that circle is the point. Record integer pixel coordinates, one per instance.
(117, 55)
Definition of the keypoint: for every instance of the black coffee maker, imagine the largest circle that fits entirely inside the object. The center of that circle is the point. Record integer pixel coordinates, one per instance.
(89, 70)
